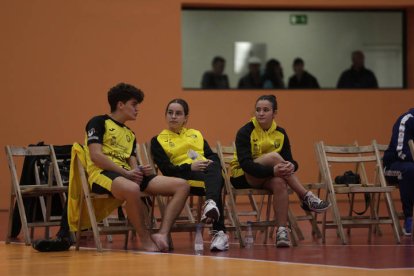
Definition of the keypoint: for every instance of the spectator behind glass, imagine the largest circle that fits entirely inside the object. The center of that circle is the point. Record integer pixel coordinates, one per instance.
(215, 79)
(357, 76)
(252, 79)
(273, 75)
(301, 79)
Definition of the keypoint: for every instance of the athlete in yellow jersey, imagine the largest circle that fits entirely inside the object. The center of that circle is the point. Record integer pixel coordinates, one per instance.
(263, 159)
(113, 169)
(184, 153)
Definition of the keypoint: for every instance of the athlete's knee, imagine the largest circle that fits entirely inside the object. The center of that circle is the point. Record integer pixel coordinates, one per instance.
(278, 184)
(272, 158)
(182, 186)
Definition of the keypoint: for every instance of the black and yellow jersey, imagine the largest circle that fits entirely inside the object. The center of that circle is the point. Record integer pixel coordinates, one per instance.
(252, 142)
(117, 140)
(171, 152)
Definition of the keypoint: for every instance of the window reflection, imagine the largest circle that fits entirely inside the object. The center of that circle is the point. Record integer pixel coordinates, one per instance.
(324, 41)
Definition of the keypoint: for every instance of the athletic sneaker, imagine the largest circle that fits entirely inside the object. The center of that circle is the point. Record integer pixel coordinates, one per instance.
(220, 241)
(211, 212)
(58, 244)
(408, 224)
(313, 203)
(282, 237)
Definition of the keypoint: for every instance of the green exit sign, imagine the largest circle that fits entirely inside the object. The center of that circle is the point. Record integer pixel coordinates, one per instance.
(298, 19)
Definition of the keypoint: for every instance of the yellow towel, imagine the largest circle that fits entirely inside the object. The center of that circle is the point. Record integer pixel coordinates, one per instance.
(102, 206)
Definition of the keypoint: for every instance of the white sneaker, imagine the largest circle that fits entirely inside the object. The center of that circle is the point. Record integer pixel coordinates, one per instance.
(211, 212)
(282, 237)
(220, 241)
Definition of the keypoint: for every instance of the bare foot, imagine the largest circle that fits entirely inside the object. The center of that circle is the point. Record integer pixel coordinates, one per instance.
(149, 245)
(161, 241)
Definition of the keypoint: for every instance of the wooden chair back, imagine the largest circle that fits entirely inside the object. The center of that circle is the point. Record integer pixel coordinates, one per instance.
(366, 158)
(37, 190)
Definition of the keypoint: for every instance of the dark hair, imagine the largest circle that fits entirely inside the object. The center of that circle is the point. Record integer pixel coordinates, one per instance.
(298, 61)
(217, 59)
(182, 102)
(123, 92)
(270, 98)
(270, 67)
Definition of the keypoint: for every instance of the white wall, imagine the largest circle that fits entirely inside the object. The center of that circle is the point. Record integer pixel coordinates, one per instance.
(325, 43)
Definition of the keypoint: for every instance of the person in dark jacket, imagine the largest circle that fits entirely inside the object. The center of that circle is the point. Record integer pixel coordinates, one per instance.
(252, 80)
(215, 78)
(302, 79)
(357, 76)
(398, 158)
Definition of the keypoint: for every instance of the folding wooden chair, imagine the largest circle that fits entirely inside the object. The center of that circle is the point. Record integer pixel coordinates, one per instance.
(81, 198)
(394, 174)
(364, 157)
(226, 154)
(42, 191)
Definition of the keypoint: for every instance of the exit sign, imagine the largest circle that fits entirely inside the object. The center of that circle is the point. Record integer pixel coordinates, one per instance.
(298, 19)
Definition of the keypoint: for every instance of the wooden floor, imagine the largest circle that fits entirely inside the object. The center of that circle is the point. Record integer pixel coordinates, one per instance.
(381, 257)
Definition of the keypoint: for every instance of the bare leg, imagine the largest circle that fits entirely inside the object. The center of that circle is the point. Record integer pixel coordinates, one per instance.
(128, 191)
(280, 199)
(272, 159)
(178, 189)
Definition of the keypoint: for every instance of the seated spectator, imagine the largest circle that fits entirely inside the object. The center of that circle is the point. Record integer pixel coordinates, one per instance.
(273, 75)
(252, 80)
(264, 160)
(183, 152)
(301, 79)
(398, 158)
(110, 148)
(357, 76)
(215, 79)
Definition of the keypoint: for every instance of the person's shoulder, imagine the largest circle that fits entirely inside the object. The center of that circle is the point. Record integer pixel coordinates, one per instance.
(208, 74)
(163, 133)
(281, 129)
(309, 75)
(193, 131)
(248, 127)
(98, 119)
(369, 71)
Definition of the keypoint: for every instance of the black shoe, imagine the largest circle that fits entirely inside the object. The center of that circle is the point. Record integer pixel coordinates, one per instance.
(314, 204)
(58, 244)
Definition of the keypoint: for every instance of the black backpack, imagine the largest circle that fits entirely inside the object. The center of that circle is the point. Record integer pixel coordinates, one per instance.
(63, 153)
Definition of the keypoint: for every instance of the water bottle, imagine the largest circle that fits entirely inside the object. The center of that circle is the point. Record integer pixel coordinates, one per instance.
(248, 238)
(192, 154)
(198, 242)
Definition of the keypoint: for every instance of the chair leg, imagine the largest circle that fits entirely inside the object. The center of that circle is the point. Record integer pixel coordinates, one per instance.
(392, 214)
(94, 225)
(10, 225)
(126, 240)
(79, 232)
(294, 225)
(106, 224)
(315, 229)
(232, 208)
(268, 211)
(23, 219)
(295, 230)
(337, 218)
